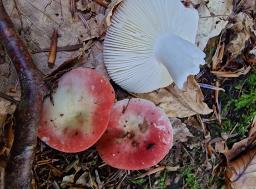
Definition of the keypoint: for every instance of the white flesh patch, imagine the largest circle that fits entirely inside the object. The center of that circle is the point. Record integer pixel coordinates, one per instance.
(73, 106)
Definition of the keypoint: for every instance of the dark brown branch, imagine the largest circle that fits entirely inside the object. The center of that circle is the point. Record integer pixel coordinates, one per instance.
(18, 170)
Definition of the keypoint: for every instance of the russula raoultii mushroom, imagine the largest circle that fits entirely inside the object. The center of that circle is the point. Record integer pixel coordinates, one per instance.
(150, 44)
(139, 135)
(80, 111)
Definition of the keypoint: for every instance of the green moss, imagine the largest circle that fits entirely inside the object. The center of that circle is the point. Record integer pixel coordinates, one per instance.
(190, 178)
(138, 182)
(239, 105)
(162, 181)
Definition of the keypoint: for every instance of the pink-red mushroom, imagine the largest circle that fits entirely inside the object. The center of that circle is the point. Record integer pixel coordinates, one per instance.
(139, 135)
(80, 111)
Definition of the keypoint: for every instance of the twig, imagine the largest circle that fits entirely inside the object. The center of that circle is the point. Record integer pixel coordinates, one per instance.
(213, 16)
(53, 49)
(19, 13)
(158, 169)
(18, 170)
(9, 98)
(72, 7)
(68, 48)
(61, 10)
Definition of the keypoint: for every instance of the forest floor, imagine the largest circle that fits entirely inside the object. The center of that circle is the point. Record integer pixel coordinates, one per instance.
(203, 155)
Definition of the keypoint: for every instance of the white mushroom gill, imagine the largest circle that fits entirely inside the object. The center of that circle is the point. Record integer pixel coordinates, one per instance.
(150, 44)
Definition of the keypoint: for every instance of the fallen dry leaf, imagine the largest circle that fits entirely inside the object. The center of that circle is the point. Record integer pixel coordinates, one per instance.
(110, 11)
(86, 6)
(8, 76)
(39, 18)
(241, 162)
(239, 147)
(96, 26)
(244, 5)
(180, 131)
(218, 56)
(240, 31)
(179, 103)
(6, 108)
(6, 129)
(220, 146)
(213, 18)
(42, 17)
(241, 173)
(95, 59)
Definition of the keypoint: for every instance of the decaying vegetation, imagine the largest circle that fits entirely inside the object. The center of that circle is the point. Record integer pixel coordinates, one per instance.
(214, 135)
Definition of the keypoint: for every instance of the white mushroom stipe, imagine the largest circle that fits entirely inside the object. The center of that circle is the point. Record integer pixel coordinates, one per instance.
(150, 45)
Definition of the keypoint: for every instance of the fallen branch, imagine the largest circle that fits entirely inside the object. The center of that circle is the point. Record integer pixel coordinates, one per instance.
(18, 170)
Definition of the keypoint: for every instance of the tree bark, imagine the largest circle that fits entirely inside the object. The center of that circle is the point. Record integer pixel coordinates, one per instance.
(19, 166)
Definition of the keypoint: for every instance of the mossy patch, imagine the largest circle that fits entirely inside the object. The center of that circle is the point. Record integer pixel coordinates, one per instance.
(239, 105)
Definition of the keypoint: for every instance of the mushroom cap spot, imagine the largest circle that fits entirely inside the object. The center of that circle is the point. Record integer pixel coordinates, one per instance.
(129, 46)
(145, 140)
(81, 110)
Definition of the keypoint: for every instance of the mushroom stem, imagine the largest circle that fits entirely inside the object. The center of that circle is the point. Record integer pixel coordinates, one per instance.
(18, 170)
(180, 57)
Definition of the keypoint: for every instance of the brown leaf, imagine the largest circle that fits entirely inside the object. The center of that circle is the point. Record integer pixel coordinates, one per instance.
(241, 173)
(39, 18)
(213, 18)
(241, 28)
(6, 108)
(96, 25)
(9, 135)
(8, 76)
(180, 130)
(110, 10)
(220, 146)
(242, 145)
(244, 5)
(241, 162)
(218, 56)
(179, 103)
(95, 59)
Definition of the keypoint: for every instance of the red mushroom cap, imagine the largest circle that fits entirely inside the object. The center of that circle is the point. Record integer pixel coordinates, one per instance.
(80, 114)
(139, 135)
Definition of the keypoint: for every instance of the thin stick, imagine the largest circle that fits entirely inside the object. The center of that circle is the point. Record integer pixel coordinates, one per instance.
(53, 49)
(9, 98)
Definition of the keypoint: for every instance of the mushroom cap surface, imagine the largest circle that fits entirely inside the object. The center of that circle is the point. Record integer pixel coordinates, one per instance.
(139, 135)
(80, 111)
(137, 33)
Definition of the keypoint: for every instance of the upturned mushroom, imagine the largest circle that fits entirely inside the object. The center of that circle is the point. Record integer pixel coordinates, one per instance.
(150, 45)
(80, 111)
(139, 135)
